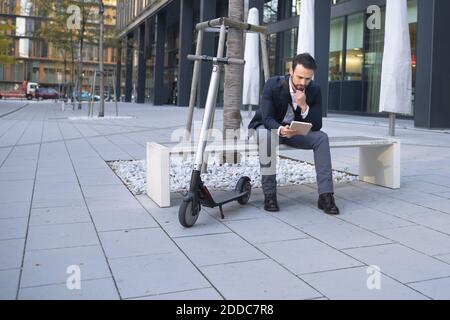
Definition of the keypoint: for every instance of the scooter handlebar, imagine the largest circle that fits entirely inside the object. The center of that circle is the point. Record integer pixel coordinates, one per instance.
(205, 58)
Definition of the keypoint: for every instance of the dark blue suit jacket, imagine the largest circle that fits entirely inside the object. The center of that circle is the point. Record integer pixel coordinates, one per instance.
(277, 98)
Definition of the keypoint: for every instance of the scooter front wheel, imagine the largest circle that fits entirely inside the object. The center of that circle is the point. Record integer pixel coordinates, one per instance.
(244, 185)
(188, 213)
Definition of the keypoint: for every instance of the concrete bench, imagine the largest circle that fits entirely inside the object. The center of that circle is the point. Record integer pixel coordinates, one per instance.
(379, 161)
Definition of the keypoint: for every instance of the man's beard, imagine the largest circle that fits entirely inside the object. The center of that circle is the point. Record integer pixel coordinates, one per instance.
(300, 88)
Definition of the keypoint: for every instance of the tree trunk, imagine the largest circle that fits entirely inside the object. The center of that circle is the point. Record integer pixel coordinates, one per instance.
(80, 54)
(233, 80)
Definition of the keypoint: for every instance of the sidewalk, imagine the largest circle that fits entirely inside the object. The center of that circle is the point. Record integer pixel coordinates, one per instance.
(63, 209)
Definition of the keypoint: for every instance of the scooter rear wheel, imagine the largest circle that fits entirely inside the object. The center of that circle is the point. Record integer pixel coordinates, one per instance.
(187, 214)
(244, 185)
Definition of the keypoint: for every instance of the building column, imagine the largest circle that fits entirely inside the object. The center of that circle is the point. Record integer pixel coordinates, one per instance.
(185, 66)
(207, 12)
(322, 48)
(159, 59)
(142, 66)
(433, 65)
(119, 72)
(129, 70)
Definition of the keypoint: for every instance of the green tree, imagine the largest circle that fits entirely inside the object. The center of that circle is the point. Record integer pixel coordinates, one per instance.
(71, 24)
(54, 31)
(5, 44)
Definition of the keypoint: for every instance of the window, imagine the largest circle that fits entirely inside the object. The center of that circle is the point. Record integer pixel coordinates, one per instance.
(271, 11)
(336, 49)
(354, 54)
(290, 38)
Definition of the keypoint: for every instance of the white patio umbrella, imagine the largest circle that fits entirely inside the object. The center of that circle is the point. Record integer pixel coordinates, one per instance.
(306, 28)
(396, 76)
(251, 70)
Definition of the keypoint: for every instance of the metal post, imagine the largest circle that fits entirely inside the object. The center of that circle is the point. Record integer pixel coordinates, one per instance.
(115, 94)
(91, 100)
(392, 124)
(101, 112)
(196, 73)
(210, 105)
(195, 77)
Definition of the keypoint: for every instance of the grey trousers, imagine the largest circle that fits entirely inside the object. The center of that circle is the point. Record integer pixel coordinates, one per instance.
(316, 141)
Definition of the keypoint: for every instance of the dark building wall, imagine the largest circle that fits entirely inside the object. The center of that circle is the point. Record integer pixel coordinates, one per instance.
(433, 65)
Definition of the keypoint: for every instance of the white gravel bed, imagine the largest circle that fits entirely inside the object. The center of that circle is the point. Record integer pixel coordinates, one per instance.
(222, 177)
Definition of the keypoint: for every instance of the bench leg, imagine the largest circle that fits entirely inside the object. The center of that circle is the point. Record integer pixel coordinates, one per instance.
(380, 165)
(158, 175)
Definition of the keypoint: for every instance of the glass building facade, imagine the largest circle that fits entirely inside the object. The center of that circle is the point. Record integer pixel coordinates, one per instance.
(38, 60)
(351, 53)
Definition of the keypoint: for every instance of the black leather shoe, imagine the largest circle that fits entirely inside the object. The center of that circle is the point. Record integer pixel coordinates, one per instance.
(328, 204)
(271, 203)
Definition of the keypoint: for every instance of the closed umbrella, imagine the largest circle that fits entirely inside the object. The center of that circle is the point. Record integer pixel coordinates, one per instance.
(396, 76)
(306, 28)
(251, 69)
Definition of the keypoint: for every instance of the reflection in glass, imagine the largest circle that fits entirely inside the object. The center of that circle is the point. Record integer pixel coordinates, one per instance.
(354, 54)
(336, 48)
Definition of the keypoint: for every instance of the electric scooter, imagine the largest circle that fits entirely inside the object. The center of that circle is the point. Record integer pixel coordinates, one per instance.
(198, 194)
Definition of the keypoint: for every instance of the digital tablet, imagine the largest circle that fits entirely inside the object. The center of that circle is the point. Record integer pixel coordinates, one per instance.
(302, 128)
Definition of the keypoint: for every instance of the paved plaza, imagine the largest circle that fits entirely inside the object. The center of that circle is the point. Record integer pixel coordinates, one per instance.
(65, 214)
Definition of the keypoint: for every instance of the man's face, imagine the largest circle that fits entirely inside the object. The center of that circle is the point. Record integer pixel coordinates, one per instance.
(301, 77)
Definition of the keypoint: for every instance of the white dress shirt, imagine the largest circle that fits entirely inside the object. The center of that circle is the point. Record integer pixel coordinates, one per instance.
(290, 115)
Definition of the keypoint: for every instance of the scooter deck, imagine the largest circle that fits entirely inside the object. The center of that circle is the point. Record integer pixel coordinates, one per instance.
(221, 198)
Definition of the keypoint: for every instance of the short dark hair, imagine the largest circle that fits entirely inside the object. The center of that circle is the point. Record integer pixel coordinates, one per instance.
(306, 60)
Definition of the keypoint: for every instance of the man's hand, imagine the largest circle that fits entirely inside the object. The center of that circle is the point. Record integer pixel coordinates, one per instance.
(300, 99)
(285, 132)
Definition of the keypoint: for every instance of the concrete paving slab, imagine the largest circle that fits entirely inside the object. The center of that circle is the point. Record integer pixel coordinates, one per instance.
(373, 220)
(307, 256)
(264, 230)
(16, 191)
(9, 280)
(14, 210)
(140, 242)
(351, 284)
(436, 289)
(258, 280)
(199, 294)
(445, 258)
(13, 228)
(59, 215)
(125, 218)
(401, 263)
(218, 249)
(46, 267)
(100, 289)
(342, 235)
(11, 252)
(61, 236)
(156, 274)
(419, 238)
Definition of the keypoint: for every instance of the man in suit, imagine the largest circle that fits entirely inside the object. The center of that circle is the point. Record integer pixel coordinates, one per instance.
(295, 97)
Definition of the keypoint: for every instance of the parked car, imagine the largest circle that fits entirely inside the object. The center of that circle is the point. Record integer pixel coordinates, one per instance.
(86, 96)
(46, 93)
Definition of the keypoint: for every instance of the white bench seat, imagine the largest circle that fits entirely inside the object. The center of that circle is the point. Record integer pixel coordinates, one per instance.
(379, 161)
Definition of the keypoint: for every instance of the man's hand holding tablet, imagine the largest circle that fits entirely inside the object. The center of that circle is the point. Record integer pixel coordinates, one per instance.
(301, 128)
